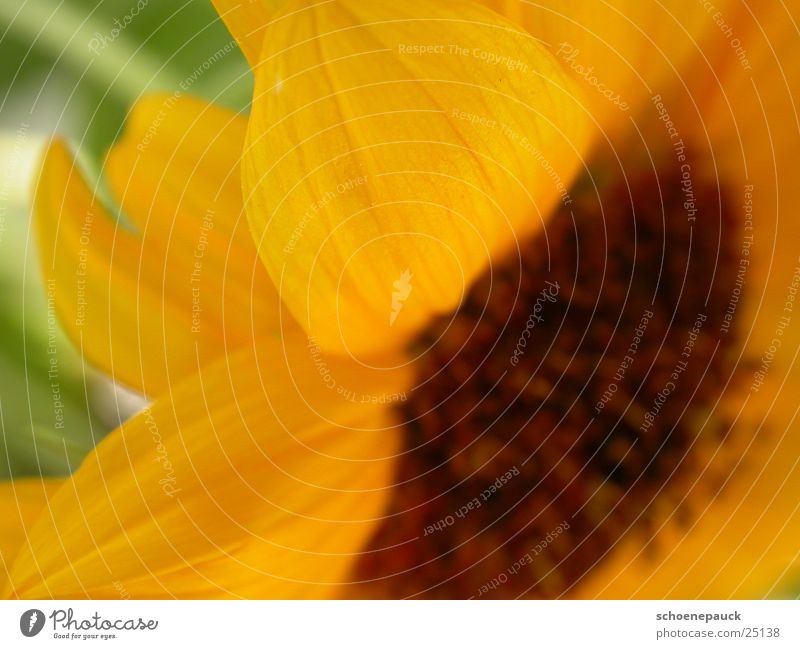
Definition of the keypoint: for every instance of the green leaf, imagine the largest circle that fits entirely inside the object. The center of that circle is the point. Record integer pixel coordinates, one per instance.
(77, 66)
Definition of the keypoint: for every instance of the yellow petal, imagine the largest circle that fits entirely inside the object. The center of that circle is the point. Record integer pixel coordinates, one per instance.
(21, 503)
(619, 52)
(246, 21)
(393, 149)
(260, 477)
(744, 544)
(147, 303)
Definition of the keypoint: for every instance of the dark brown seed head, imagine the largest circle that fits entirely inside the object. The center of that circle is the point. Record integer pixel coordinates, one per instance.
(566, 404)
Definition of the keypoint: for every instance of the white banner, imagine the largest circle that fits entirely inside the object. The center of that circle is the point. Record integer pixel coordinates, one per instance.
(401, 624)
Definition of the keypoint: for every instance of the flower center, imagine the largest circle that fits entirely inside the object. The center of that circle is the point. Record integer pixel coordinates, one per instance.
(573, 399)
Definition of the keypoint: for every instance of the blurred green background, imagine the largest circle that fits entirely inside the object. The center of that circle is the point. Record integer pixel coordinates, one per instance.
(75, 67)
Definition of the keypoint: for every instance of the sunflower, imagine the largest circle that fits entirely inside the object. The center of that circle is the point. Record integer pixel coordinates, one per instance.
(478, 301)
